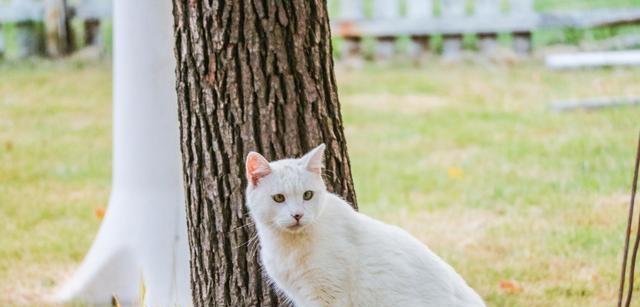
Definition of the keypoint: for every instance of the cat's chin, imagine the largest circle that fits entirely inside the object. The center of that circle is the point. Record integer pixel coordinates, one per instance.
(295, 228)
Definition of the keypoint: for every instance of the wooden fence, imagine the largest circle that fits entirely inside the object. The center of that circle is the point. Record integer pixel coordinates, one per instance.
(420, 20)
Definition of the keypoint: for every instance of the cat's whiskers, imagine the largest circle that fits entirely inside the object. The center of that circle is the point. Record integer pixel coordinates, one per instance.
(251, 239)
(253, 249)
(242, 226)
(253, 242)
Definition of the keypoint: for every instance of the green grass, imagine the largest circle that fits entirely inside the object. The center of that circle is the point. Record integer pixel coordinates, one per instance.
(467, 157)
(470, 159)
(55, 156)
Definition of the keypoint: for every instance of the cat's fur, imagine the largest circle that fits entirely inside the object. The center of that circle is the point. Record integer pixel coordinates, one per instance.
(335, 256)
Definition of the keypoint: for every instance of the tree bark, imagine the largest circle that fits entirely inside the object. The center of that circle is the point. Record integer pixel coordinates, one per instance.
(59, 37)
(251, 75)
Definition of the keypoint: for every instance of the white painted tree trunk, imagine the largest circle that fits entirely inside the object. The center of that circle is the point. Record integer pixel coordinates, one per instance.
(143, 238)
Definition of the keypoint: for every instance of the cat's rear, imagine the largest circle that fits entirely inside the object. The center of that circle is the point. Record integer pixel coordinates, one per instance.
(402, 271)
(320, 252)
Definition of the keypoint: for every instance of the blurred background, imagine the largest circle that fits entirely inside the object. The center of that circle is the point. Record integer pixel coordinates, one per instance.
(500, 132)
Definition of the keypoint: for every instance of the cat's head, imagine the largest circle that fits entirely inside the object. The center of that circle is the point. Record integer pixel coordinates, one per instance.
(287, 194)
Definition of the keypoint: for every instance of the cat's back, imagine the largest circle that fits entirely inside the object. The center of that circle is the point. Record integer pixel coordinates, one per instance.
(395, 269)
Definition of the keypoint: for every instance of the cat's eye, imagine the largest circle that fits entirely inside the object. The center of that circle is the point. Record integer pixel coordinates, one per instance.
(307, 195)
(278, 198)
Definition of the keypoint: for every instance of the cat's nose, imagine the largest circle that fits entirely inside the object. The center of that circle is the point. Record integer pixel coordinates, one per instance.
(297, 216)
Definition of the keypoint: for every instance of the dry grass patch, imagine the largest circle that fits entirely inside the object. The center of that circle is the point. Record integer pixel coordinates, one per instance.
(410, 104)
(36, 285)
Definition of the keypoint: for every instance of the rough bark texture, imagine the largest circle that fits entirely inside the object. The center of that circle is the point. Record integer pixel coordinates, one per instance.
(251, 75)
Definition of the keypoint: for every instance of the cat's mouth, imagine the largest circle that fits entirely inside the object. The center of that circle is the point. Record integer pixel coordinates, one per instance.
(292, 226)
(295, 227)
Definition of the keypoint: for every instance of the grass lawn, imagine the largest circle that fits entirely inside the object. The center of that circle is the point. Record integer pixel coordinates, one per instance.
(529, 205)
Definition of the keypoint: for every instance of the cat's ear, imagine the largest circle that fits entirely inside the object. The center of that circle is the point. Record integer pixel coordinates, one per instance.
(257, 167)
(313, 160)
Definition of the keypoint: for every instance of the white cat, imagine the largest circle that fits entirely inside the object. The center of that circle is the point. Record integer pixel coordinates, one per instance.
(321, 252)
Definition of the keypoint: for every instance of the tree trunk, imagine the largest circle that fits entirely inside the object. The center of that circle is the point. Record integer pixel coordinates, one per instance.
(251, 75)
(59, 40)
